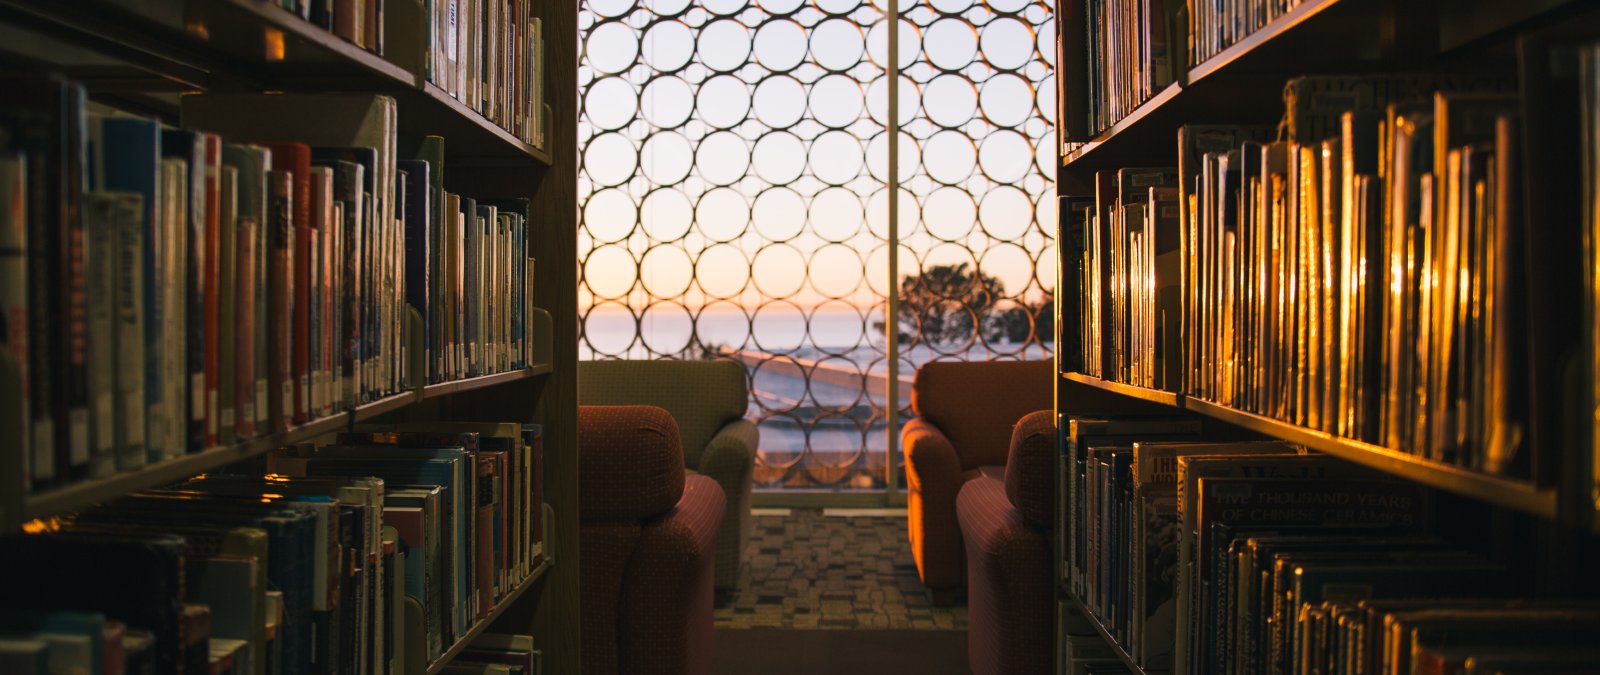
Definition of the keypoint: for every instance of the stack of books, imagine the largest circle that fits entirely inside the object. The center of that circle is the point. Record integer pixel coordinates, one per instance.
(1200, 556)
(489, 54)
(169, 291)
(319, 566)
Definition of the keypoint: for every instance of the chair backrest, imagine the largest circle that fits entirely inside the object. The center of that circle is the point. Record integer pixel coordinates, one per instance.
(630, 467)
(700, 395)
(1031, 468)
(975, 404)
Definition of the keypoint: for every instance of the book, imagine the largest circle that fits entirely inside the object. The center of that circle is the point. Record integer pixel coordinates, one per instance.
(45, 115)
(15, 414)
(105, 216)
(128, 159)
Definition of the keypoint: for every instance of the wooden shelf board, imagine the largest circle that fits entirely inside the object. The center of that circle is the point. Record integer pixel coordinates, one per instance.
(541, 369)
(468, 134)
(304, 43)
(89, 492)
(1150, 106)
(1510, 493)
(1242, 84)
(457, 386)
(483, 624)
(385, 405)
(1507, 492)
(1266, 34)
(1152, 395)
(1111, 642)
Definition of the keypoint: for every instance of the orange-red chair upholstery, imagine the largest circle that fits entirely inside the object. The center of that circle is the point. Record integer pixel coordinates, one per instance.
(1006, 525)
(647, 544)
(964, 414)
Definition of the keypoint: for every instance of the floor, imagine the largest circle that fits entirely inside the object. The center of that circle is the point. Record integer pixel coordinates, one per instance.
(775, 651)
(810, 571)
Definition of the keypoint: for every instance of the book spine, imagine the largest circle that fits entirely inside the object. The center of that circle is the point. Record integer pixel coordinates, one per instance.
(72, 411)
(15, 410)
(245, 337)
(280, 290)
(174, 308)
(329, 304)
(100, 255)
(194, 314)
(263, 305)
(300, 381)
(130, 319)
(227, 313)
(212, 268)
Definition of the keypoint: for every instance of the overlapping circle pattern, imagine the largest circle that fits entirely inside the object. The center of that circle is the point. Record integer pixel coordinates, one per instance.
(734, 200)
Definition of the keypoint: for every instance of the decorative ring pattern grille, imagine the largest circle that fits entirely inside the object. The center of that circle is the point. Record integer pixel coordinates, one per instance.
(734, 195)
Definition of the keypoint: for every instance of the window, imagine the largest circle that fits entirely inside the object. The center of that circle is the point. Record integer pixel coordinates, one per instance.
(735, 195)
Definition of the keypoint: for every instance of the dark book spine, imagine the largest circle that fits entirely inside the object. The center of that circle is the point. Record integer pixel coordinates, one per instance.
(34, 129)
(210, 286)
(418, 217)
(73, 403)
(280, 299)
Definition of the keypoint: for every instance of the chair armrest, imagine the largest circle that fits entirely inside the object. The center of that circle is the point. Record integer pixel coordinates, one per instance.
(931, 458)
(666, 612)
(730, 454)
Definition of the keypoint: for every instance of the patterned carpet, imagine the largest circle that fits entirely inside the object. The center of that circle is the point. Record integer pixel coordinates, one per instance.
(808, 571)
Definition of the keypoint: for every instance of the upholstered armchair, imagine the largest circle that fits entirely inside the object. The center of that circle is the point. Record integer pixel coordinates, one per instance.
(647, 540)
(1006, 524)
(964, 417)
(708, 399)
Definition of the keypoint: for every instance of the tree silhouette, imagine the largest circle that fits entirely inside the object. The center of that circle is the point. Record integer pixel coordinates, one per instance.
(947, 301)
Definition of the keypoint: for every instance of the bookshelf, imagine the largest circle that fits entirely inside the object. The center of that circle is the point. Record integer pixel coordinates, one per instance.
(1100, 628)
(1538, 512)
(140, 56)
(482, 625)
(1510, 493)
(1233, 87)
(94, 491)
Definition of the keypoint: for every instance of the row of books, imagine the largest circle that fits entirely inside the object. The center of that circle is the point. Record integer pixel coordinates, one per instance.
(1215, 25)
(167, 291)
(1134, 52)
(1304, 278)
(490, 55)
(359, 22)
(318, 567)
(1258, 557)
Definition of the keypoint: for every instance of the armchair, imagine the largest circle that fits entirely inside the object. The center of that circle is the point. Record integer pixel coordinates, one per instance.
(964, 417)
(647, 537)
(1007, 523)
(708, 400)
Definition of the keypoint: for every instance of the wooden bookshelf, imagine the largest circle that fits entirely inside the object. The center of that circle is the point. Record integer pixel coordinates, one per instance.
(148, 53)
(482, 625)
(1116, 647)
(1166, 398)
(89, 492)
(1511, 493)
(1243, 83)
(471, 383)
(254, 45)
